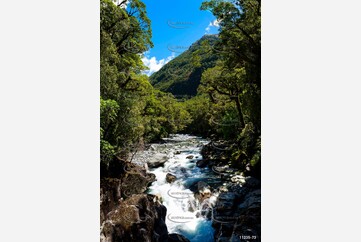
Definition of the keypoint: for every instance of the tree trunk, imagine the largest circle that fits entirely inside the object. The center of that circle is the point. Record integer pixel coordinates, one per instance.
(239, 109)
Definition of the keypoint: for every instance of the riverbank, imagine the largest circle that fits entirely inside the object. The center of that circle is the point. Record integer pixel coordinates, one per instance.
(177, 191)
(126, 212)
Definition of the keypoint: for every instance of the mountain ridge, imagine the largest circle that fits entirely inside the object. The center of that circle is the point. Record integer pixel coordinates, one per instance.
(181, 76)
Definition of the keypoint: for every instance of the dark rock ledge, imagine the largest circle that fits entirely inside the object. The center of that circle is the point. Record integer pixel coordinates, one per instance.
(126, 213)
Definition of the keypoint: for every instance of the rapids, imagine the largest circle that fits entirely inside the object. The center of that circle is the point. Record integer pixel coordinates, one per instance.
(184, 211)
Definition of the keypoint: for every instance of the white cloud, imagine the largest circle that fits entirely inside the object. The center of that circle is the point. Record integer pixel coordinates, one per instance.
(154, 65)
(214, 23)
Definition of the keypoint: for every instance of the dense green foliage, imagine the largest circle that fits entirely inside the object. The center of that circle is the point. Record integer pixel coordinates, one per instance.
(237, 76)
(220, 75)
(131, 111)
(181, 76)
(229, 95)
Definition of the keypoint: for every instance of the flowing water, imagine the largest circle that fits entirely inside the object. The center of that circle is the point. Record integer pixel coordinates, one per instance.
(181, 152)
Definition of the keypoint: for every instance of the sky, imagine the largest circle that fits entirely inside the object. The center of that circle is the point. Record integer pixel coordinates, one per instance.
(175, 26)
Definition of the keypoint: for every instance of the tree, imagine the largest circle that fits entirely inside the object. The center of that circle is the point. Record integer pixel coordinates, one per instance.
(238, 76)
(131, 110)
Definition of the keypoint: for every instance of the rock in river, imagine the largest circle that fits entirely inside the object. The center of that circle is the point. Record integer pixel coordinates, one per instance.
(157, 160)
(202, 163)
(177, 238)
(170, 178)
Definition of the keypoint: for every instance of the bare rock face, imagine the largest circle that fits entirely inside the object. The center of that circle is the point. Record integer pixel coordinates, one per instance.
(136, 181)
(126, 213)
(237, 212)
(110, 195)
(119, 180)
(138, 218)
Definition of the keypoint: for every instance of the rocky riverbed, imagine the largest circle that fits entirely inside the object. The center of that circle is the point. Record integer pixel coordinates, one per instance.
(180, 190)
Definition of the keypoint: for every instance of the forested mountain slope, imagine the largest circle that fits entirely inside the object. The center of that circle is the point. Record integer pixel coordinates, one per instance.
(181, 76)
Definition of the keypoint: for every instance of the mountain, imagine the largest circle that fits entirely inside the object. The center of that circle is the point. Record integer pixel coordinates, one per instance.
(181, 76)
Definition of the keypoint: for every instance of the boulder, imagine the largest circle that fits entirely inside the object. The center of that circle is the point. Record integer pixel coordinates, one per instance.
(136, 180)
(252, 200)
(157, 160)
(225, 201)
(177, 238)
(139, 218)
(202, 191)
(202, 163)
(190, 157)
(244, 206)
(130, 179)
(170, 178)
(201, 185)
(238, 179)
(252, 182)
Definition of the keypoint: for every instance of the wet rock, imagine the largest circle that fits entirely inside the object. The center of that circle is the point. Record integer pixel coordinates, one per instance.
(110, 195)
(238, 190)
(202, 191)
(177, 238)
(157, 160)
(202, 163)
(170, 178)
(132, 179)
(204, 194)
(138, 218)
(238, 179)
(252, 200)
(225, 201)
(135, 180)
(202, 185)
(252, 182)
(223, 189)
(190, 157)
(220, 169)
(206, 211)
(243, 204)
(177, 152)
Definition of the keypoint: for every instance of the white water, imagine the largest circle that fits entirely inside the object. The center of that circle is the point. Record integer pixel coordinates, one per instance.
(182, 207)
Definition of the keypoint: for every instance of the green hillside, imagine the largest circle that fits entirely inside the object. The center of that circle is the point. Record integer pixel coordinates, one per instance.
(181, 76)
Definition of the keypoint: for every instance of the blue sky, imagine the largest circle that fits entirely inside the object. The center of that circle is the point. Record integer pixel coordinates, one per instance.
(175, 26)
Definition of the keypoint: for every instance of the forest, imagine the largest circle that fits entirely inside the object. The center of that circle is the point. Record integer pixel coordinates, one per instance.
(133, 112)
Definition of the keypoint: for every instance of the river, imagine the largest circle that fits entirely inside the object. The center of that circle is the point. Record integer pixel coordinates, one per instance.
(181, 152)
